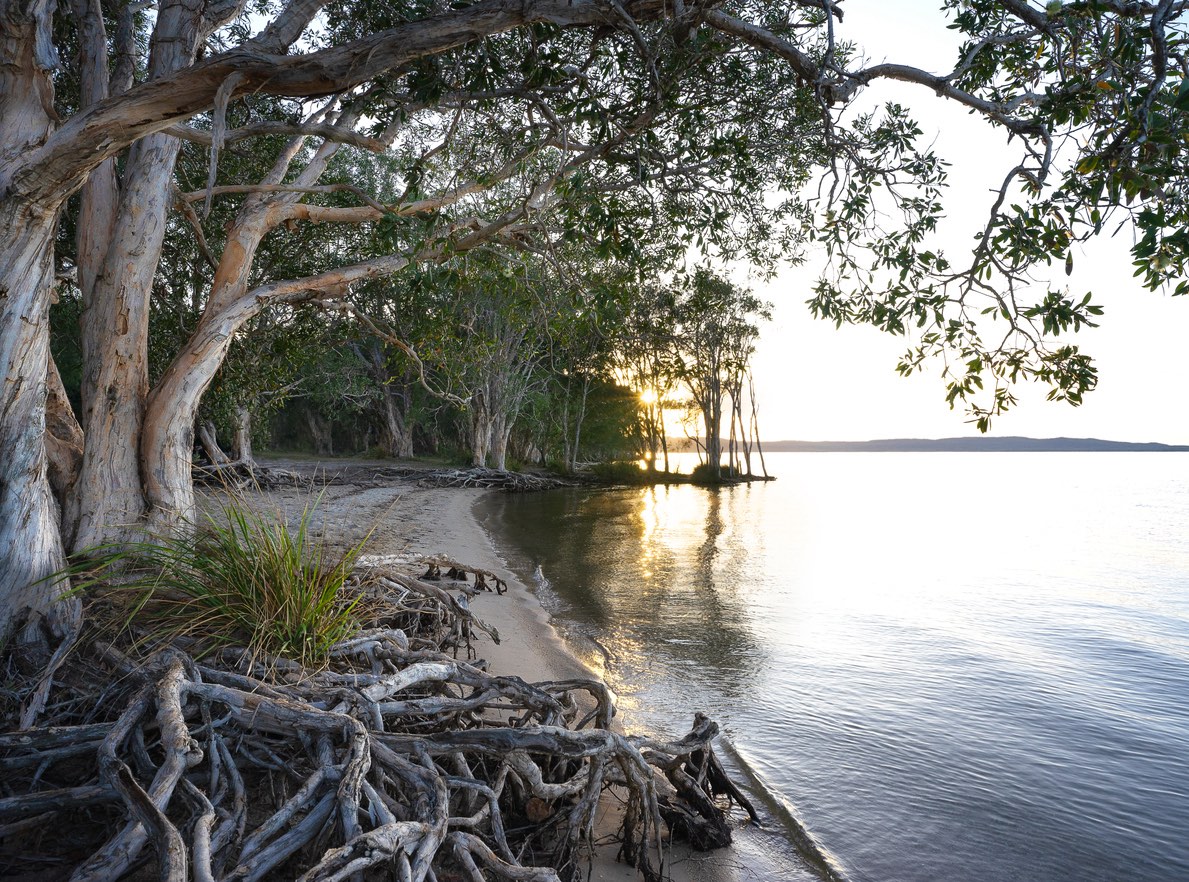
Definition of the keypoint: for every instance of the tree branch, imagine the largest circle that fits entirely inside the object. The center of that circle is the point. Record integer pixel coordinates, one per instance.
(275, 127)
(62, 163)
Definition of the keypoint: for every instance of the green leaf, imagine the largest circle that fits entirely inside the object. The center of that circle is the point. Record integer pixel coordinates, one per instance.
(1181, 102)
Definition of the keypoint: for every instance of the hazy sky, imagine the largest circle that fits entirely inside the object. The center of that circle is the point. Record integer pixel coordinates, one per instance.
(818, 383)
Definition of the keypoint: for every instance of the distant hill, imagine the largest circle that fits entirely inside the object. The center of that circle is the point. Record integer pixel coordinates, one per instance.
(1006, 444)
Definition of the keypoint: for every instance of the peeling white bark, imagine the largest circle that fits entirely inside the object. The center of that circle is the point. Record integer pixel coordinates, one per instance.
(109, 500)
(30, 541)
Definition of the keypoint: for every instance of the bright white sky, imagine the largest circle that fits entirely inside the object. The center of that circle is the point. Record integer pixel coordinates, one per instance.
(818, 383)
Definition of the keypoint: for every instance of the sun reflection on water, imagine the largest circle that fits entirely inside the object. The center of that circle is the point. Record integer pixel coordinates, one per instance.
(939, 657)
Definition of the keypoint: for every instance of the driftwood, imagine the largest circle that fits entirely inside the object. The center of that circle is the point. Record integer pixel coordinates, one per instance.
(487, 479)
(399, 759)
(246, 475)
(485, 580)
(242, 475)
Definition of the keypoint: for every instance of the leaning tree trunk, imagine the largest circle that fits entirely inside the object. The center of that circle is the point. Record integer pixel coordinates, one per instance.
(168, 435)
(755, 422)
(172, 407)
(208, 437)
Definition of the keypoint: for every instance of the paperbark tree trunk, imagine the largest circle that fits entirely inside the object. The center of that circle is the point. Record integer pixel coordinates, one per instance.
(98, 206)
(755, 422)
(579, 419)
(110, 500)
(29, 517)
(398, 439)
(397, 434)
(565, 430)
(712, 418)
(664, 436)
(480, 430)
(500, 430)
(320, 431)
(241, 444)
(63, 436)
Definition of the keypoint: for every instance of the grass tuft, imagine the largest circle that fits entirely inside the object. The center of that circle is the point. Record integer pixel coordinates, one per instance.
(246, 579)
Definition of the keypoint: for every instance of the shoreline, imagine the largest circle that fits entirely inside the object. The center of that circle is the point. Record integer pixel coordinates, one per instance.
(532, 648)
(754, 856)
(401, 518)
(533, 645)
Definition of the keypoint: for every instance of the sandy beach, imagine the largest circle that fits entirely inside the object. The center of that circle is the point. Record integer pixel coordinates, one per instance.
(406, 519)
(402, 518)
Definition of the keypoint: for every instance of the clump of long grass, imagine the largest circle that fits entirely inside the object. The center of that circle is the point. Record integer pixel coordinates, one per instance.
(242, 578)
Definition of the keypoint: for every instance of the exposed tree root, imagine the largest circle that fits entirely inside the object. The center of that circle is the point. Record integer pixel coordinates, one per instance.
(399, 759)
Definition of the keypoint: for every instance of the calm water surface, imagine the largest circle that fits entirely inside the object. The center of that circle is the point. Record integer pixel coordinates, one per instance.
(948, 666)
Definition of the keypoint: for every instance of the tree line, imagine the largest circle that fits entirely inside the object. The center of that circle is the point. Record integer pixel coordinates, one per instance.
(522, 360)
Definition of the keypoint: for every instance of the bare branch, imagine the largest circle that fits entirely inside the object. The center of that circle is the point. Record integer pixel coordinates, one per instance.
(218, 130)
(195, 223)
(275, 127)
(283, 31)
(1027, 13)
(765, 39)
(240, 189)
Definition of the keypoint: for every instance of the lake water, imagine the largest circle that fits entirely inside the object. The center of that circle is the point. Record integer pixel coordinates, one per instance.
(944, 666)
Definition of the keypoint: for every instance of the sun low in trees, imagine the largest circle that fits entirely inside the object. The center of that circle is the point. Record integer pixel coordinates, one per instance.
(688, 344)
(646, 357)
